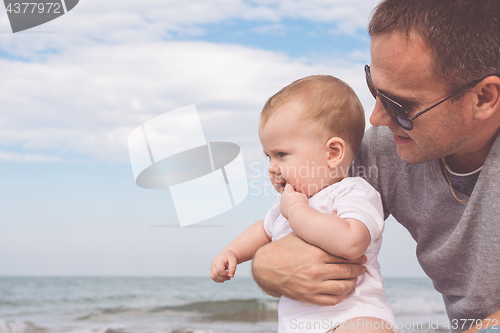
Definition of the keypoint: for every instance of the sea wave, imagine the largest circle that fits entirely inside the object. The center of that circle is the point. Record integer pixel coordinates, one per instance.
(171, 305)
(235, 310)
(17, 326)
(251, 305)
(420, 306)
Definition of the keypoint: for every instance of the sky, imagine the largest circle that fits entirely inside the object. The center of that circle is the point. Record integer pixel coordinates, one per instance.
(73, 89)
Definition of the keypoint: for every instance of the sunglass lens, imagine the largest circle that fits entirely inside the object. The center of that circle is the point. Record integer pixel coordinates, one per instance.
(371, 88)
(396, 113)
(405, 123)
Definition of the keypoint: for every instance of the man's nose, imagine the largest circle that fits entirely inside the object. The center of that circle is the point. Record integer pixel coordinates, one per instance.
(379, 116)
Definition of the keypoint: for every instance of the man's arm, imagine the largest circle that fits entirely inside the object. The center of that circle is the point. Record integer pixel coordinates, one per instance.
(304, 272)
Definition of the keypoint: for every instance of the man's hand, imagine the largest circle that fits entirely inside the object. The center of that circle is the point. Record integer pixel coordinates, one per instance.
(304, 272)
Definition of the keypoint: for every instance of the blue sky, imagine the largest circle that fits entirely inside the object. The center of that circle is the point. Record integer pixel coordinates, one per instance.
(295, 37)
(73, 89)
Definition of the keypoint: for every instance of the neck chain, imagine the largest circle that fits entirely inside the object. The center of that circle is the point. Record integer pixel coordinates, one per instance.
(449, 183)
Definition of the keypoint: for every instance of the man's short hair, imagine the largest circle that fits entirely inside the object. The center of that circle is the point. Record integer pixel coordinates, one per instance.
(463, 35)
(328, 102)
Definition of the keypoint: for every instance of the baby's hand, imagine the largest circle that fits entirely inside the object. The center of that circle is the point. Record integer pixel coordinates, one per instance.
(290, 197)
(226, 260)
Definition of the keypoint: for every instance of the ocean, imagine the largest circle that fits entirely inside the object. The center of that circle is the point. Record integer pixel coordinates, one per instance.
(177, 305)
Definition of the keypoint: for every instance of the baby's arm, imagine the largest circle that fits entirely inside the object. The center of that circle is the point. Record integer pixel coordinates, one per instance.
(241, 249)
(348, 238)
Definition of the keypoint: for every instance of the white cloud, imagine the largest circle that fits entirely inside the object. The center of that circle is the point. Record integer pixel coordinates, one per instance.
(353, 11)
(178, 12)
(120, 21)
(106, 69)
(16, 157)
(87, 100)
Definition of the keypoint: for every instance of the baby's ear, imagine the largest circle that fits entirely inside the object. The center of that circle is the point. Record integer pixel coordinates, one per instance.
(335, 151)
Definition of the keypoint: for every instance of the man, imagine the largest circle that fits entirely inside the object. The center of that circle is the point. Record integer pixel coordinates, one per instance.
(434, 73)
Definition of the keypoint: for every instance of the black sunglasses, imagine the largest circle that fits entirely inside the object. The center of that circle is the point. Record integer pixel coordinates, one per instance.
(397, 112)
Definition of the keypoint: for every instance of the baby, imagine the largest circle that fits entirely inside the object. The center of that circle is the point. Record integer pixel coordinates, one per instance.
(311, 130)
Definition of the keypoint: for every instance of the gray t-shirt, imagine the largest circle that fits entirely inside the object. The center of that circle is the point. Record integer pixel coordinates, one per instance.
(458, 244)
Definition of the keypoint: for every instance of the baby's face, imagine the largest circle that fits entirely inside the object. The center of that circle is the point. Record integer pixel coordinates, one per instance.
(298, 155)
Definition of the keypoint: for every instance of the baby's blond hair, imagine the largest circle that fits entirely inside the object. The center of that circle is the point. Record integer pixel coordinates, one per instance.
(328, 102)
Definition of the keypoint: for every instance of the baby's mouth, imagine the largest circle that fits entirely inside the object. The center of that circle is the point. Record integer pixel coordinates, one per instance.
(282, 185)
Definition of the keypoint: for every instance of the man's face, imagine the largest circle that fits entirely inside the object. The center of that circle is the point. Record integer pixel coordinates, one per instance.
(401, 68)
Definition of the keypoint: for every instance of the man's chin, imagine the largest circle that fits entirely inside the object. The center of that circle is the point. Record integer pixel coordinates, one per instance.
(412, 157)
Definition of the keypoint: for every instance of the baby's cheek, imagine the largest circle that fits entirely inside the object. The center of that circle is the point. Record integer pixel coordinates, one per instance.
(272, 178)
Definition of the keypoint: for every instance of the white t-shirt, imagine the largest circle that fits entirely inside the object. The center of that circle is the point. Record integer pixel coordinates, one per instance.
(353, 198)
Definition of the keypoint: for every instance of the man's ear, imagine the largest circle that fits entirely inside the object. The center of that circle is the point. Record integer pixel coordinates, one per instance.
(335, 151)
(487, 98)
